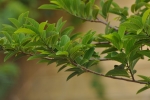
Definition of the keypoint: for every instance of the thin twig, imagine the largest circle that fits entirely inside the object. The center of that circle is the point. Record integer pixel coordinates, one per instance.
(100, 21)
(104, 59)
(130, 72)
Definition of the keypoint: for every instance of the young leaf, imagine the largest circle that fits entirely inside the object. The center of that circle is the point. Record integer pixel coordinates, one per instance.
(62, 53)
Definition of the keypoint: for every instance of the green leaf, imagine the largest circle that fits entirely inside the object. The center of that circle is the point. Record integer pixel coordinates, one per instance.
(95, 13)
(72, 75)
(106, 6)
(62, 53)
(22, 18)
(88, 8)
(15, 22)
(42, 26)
(64, 39)
(60, 24)
(118, 72)
(111, 49)
(143, 89)
(76, 54)
(145, 78)
(88, 37)
(145, 53)
(121, 31)
(49, 6)
(62, 67)
(67, 31)
(33, 22)
(24, 30)
(7, 35)
(89, 53)
(9, 55)
(75, 48)
(145, 16)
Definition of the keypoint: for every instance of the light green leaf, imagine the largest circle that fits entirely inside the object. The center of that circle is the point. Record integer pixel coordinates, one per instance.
(60, 24)
(15, 22)
(121, 31)
(42, 26)
(62, 53)
(67, 31)
(24, 30)
(49, 6)
(145, 16)
(64, 39)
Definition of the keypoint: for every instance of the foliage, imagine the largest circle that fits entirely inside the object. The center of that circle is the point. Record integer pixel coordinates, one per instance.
(52, 43)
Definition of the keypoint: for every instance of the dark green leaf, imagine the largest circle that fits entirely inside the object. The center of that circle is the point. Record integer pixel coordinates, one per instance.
(89, 53)
(72, 75)
(62, 67)
(143, 89)
(117, 72)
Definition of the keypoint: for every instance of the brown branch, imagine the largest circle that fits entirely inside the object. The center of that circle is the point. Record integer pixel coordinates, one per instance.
(99, 21)
(117, 78)
(130, 72)
(99, 74)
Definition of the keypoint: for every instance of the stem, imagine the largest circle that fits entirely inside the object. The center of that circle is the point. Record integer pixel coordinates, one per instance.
(131, 72)
(100, 21)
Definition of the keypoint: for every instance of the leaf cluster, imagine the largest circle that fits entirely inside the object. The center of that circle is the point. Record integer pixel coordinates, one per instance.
(52, 43)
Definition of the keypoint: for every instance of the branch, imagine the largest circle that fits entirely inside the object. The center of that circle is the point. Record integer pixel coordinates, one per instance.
(99, 21)
(131, 72)
(117, 78)
(104, 59)
(99, 74)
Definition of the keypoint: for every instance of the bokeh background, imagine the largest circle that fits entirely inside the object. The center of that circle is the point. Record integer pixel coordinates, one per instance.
(27, 80)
